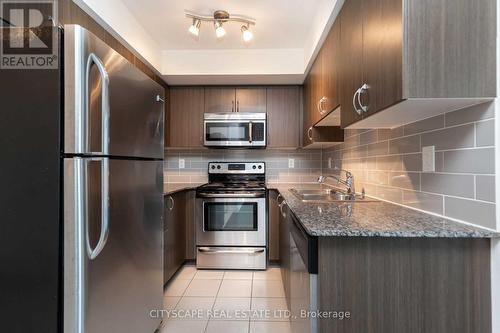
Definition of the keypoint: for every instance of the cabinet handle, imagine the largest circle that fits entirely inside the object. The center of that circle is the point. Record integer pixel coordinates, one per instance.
(281, 208)
(364, 108)
(354, 98)
(172, 203)
(250, 131)
(278, 198)
(321, 101)
(232, 106)
(237, 106)
(309, 133)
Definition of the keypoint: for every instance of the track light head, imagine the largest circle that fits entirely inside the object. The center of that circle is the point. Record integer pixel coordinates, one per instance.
(194, 29)
(219, 29)
(246, 34)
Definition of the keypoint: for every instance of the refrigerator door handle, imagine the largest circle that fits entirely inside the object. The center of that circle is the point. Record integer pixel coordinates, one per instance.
(103, 237)
(105, 108)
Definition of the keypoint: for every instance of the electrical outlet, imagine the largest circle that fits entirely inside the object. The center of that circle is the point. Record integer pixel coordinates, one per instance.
(329, 162)
(182, 163)
(428, 159)
(291, 163)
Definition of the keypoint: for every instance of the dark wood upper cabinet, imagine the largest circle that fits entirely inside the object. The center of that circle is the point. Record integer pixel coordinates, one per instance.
(250, 99)
(351, 59)
(330, 65)
(186, 105)
(321, 127)
(230, 99)
(316, 89)
(414, 59)
(283, 117)
(382, 54)
(220, 99)
(184, 128)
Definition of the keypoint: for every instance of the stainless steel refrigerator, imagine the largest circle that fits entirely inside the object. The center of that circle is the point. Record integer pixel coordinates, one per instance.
(85, 189)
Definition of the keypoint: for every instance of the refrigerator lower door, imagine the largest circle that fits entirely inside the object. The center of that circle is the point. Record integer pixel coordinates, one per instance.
(113, 241)
(111, 107)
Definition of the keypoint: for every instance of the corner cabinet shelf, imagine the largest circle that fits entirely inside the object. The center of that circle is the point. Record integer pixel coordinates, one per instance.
(403, 61)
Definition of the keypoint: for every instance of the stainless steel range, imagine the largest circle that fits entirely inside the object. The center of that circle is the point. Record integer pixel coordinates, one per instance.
(231, 217)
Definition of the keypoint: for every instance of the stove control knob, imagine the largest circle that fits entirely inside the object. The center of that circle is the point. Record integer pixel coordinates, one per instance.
(260, 167)
(254, 167)
(213, 167)
(218, 167)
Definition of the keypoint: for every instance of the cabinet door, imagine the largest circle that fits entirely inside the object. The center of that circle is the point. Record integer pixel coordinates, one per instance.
(284, 241)
(330, 70)
(382, 54)
(168, 229)
(306, 112)
(185, 121)
(220, 99)
(351, 60)
(190, 225)
(174, 243)
(283, 117)
(179, 241)
(273, 226)
(251, 99)
(316, 89)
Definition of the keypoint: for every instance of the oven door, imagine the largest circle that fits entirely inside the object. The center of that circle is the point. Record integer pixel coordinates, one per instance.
(235, 133)
(231, 221)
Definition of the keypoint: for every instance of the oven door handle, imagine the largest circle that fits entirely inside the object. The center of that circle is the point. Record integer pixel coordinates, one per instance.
(208, 250)
(231, 195)
(250, 131)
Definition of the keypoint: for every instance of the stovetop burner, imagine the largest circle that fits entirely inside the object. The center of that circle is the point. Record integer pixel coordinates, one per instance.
(235, 186)
(234, 178)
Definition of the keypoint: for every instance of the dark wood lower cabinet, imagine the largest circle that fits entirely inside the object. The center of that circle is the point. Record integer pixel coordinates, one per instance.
(387, 285)
(273, 225)
(410, 285)
(284, 248)
(190, 223)
(174, 234)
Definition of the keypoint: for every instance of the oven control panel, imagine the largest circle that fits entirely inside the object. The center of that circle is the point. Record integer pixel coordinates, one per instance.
(237, 167)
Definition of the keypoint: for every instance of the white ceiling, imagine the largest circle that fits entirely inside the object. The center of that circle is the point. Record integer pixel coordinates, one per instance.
(287, 36)
(280, 23)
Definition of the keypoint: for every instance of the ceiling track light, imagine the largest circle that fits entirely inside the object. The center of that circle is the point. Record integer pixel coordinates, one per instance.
(220, 17)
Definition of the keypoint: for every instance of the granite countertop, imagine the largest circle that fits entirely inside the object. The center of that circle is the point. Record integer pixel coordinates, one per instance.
(172, 188)
(373, 219)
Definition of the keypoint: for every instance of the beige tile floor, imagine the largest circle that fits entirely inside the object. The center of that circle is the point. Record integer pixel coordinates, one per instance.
(225, 301)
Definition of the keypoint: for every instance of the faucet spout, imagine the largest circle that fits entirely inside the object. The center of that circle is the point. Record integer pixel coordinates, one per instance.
(348, 182)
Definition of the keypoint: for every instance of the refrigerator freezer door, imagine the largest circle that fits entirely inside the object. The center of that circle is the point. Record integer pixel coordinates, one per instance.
(114, 289)
(111, 107)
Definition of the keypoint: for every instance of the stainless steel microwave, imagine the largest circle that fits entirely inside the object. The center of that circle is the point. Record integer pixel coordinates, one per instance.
(237, 129)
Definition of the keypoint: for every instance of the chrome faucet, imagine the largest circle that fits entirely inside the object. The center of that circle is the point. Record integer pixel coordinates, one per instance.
(348, 182)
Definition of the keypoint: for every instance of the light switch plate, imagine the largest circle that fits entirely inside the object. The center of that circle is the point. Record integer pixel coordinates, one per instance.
(429, 159)
(329, 162)
(291, 163)
(182, 163)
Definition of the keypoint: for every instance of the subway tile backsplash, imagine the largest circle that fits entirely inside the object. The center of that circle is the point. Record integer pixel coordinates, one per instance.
(307, 164)
(388, 164)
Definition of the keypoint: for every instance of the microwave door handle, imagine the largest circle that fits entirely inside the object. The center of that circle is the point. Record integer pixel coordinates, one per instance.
(250, 131)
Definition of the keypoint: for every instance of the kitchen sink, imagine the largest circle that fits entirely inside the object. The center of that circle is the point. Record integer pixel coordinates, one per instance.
(328, 195)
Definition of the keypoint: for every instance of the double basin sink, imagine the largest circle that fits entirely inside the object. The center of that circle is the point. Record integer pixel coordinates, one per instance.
(325, 195)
